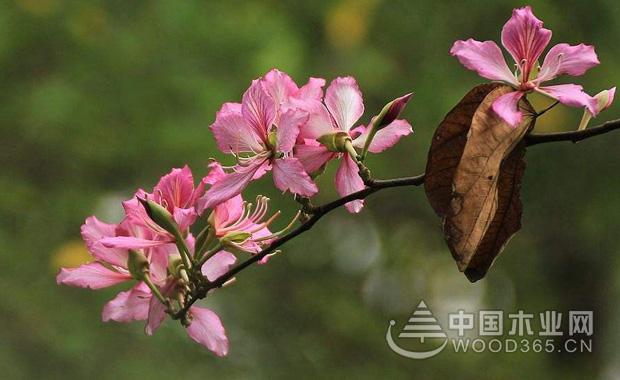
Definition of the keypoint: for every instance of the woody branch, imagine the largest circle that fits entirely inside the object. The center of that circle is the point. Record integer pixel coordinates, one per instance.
(373, 186)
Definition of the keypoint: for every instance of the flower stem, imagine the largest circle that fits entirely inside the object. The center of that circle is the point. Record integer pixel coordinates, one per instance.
(183, 251)
(372, 130)
(348, 145)
(147, 280)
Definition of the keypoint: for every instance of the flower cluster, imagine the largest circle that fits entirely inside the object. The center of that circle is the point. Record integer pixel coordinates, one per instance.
(181, 241)
(525, 38)
(278, 127)
(294, 132)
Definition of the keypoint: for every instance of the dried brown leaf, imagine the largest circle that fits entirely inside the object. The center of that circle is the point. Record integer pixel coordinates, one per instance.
(507, 220)
(474, 176)
(447, 148)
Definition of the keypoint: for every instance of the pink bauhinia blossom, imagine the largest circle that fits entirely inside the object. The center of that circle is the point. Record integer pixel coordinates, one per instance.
(205, 327)
(525, 38)
(261, 132)
(110, 267)
(176, 193)
(342, 108)
(239, 224)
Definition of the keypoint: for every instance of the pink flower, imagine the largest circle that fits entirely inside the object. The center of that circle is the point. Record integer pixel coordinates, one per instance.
(261, 132)
(342, 109)
(525, 39)
(176, 193)
(205, 326)
(242, 225)
(138, 303)
(111, 268)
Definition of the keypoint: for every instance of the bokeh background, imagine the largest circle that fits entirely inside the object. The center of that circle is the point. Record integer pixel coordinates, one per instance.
(102, 97)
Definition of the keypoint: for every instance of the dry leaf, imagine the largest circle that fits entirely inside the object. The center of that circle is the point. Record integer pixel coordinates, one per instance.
(447, 148)
(507, 220)
(473, 178)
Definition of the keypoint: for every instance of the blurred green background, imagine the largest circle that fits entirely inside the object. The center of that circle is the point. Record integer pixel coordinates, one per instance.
(102, 97)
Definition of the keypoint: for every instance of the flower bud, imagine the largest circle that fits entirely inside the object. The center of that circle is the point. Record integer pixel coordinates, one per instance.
(391, 111)
(388, 114)
(175, 263)
(602, 101)
(137, 264)
(161, 216)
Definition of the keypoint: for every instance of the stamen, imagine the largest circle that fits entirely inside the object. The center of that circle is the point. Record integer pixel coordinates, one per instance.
(282, 231)
(261, 208)
(246, 208)
(269, 221)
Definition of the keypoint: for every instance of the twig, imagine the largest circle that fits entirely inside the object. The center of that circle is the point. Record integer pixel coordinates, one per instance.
(375, 185)
(574, 136)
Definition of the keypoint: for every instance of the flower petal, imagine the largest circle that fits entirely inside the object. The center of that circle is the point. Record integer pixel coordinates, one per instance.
(132, 305)
(130, 242)
(507, 107)
(344, 101)
(158, 260)
(288, 128)
(385, 138)
(215, 174)
(184, 217)
(571, 95)
(279, 85)
(93, 231)
(313, 155)
(567, 59)
(157, 310)
(234, 135)
(258, 108)
(227, 212)
(230, 185)
(319, 123)
(175, 189)
(485, 58)
(313, 90)
(207, 329)
(92, 275)
(289, 174)
(348, 181)
(525, 38)
(231, 107)
(217, 265)
(137, 222)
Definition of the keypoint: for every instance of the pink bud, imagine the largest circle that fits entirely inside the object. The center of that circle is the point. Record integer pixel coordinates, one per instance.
(604, 99)
(392, 110)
